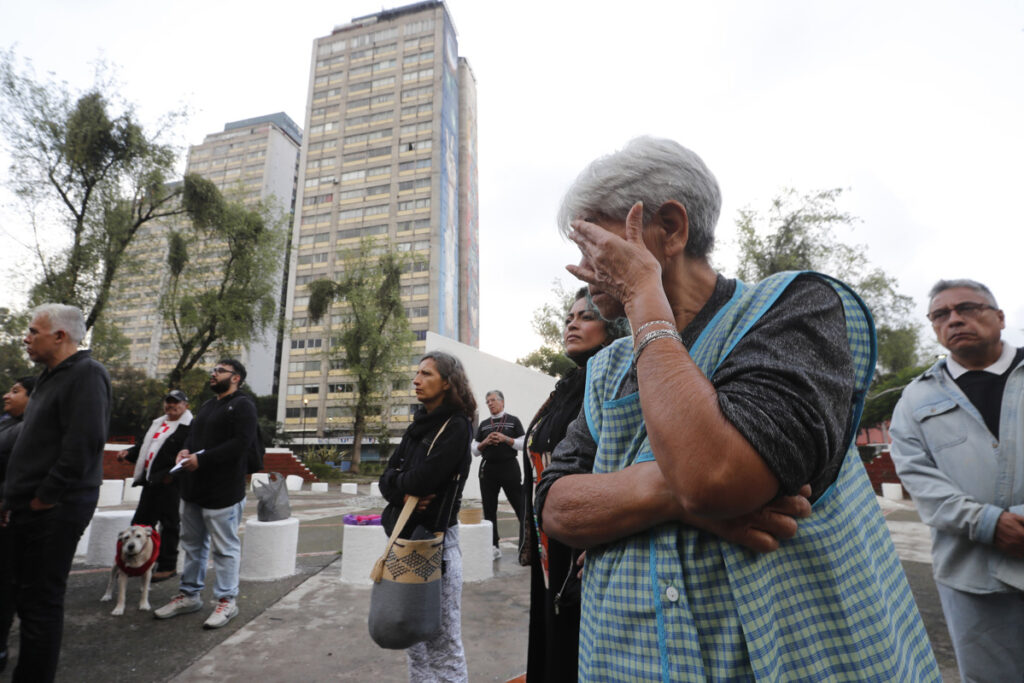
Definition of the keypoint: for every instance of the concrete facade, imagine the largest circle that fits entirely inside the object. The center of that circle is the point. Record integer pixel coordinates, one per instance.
(389, 156)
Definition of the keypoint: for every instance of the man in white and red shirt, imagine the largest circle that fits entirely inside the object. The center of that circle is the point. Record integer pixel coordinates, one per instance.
(154, 456)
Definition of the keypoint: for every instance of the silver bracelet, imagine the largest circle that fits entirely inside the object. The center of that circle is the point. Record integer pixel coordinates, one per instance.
(654, 322)
(651, 336)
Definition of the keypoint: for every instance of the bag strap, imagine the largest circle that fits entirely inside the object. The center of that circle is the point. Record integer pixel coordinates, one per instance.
(377, 573)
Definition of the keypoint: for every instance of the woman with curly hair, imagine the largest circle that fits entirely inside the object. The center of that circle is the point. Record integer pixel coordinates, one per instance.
(432, 462)
(554, 585)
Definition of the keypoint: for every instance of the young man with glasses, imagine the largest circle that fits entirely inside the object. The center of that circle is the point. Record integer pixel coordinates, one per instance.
(959, 451)
(212, 481)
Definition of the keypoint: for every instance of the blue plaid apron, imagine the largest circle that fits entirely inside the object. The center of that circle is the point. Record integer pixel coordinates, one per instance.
(677, 604)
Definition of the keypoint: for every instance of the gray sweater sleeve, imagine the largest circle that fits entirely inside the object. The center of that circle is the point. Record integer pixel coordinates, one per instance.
(788, 384)
(574, 454)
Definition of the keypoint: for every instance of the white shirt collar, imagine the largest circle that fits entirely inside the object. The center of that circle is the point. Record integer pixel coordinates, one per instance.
(997, 368)
(498, 415)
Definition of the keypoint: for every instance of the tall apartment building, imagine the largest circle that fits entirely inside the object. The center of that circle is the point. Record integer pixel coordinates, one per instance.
(251, 160)
(390, 154)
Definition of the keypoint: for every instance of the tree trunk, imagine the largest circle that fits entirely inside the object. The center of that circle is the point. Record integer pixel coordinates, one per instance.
(357, 446)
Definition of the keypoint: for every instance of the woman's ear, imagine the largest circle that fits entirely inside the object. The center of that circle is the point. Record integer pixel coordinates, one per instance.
(675, 222)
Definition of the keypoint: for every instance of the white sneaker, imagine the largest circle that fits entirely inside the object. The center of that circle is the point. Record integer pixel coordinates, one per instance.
(179, 604)
(497, 552)
(224, 612)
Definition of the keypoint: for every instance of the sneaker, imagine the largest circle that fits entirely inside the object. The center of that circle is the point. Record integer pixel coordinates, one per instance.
(179, 604)
(224, 612)
(496, 552)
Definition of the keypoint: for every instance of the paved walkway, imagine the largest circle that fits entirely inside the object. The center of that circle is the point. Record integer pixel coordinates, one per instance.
(312, 627)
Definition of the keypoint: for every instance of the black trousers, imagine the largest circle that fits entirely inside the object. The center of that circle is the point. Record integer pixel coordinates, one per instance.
(160, 504)
(6, 587)
(503, 475)
(43, 547)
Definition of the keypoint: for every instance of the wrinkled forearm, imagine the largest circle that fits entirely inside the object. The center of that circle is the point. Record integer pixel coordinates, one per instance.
(585, 510)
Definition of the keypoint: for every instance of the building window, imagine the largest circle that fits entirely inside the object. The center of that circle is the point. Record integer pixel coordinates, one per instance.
(418, 184)
(414, 204)
(306, 259)
(414, 165)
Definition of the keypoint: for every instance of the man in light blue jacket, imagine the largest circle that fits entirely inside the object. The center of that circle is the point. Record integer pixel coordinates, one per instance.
(959, 450)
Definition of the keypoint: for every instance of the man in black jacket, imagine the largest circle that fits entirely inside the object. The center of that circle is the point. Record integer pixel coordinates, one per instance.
(213, 469)
(53, 480)
(159, 502)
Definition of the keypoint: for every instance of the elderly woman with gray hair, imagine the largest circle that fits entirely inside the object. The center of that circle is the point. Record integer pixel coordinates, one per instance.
(726, 399)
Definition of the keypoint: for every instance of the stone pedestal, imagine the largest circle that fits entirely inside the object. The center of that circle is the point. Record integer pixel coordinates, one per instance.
(293, 482)
(375, 489)
(268, 549)
(477, 557)
(101, 548)
(360, 548)
(111, 492)
(318, 487)
(83, 544)
(892, 491)
(350, 487)
(131, 493)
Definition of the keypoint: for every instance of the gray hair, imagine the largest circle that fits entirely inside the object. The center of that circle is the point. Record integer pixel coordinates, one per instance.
(654, 171)
(496, 392)
(943, 285)
(619, 327)
(63, 317)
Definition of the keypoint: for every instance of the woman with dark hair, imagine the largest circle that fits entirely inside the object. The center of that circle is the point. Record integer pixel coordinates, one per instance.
(432, 462)
(554, 585)
(15, 402)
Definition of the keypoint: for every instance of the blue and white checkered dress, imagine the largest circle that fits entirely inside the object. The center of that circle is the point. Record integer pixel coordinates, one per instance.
(676, 604)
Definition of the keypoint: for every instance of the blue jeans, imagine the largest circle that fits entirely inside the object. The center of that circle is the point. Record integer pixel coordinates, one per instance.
(198, 526)
(987, 630)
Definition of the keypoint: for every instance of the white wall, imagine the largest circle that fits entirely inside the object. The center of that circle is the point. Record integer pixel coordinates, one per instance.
(525, 389)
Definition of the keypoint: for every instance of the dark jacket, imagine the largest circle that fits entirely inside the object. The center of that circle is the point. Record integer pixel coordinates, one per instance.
(412, 471)
(225, 430)
(59, 455)
(9, 430)
(164, 459)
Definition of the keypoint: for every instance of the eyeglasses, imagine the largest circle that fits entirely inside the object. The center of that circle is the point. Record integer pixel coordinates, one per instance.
(968, 309)
(222, 371)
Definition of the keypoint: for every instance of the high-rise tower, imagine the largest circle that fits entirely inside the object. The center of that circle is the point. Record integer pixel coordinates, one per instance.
(389, 154)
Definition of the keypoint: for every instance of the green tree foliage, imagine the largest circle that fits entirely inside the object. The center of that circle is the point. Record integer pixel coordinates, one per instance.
(224, 274)
(885, 392)
(549, 322)
(82, 162)
(799, 232)
(108, 344)
(375, 340)
(14, 362)
(137, 400)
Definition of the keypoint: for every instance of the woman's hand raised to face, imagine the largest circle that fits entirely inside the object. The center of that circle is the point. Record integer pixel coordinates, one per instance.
(615, 258)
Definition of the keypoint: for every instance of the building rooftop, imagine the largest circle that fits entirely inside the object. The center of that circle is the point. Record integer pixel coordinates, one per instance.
(280, 119)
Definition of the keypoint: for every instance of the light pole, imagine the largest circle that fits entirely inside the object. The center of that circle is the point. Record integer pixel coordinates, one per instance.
(305, 403)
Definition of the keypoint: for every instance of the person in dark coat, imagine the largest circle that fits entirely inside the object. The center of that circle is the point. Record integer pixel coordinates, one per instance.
(554, 584)
(159, 500)
(15, 402)
(53, 480)
(431, 463)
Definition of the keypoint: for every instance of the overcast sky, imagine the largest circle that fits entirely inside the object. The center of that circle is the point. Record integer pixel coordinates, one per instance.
(915, 107)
